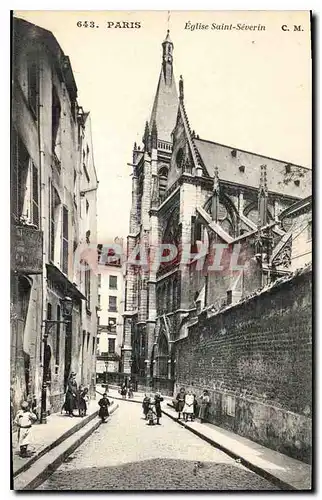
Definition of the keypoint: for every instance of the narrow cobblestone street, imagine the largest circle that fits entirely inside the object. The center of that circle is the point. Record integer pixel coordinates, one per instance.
(127, 454)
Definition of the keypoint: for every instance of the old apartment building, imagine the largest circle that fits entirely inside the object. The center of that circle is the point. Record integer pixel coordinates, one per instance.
(111, 308)
(53, 214)
(188, 191)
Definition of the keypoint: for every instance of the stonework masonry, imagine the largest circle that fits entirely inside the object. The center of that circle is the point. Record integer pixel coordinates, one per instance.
(255, 358)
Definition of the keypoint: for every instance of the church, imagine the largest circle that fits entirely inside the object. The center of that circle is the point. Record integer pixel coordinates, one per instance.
(192, 192)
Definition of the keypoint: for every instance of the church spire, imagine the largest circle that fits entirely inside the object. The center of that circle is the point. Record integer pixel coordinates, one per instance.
(167, 59)
(165, 106)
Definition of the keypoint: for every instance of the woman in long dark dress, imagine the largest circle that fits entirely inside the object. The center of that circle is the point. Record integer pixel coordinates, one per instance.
(71, 395)
(104, 403)
(145, 406)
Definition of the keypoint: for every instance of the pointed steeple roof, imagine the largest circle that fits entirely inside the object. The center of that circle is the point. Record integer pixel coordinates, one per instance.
(165, 106)
(167, 38)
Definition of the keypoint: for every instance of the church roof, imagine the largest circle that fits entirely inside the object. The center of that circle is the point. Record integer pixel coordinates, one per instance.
(282, 177)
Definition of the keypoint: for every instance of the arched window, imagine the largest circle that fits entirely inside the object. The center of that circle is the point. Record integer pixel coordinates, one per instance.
(163, 181)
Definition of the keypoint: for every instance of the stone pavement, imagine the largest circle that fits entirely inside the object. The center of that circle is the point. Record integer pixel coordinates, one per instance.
(45, 436)
(127, 454)
(286, 472)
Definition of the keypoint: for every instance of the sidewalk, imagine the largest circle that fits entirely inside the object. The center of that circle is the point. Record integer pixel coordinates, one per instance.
(46, 436)
(286, 472)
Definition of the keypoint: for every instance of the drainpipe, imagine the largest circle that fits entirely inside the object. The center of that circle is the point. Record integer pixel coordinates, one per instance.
(43, 218)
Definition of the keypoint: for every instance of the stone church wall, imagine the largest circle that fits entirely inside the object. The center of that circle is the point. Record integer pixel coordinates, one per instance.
(255, 359)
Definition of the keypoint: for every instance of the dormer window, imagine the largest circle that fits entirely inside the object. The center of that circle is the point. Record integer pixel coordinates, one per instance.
(234, 153)
(297, 182)
(287, 168)
(242, 168)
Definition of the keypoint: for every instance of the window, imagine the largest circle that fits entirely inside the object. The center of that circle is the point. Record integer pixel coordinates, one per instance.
(88, 287)
(24, 183)
(33, 86)
(93, 348)
(113, 282)
(87, 206)
(65, 241)
(309, 231)
(35, 196)
(99, 280)
(49, 311)
(180, 158)
(84, 338)
(55, 117)
(196, 231)
(112, 303)
(53, 216)
(30, 209)
(111, 346)
(99, 301)
(88, 337)
(58, 337)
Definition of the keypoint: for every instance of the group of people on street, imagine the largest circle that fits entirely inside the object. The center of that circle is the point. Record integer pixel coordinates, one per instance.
(187, 405)
(127, 391)
(76, 398)
(151, 406)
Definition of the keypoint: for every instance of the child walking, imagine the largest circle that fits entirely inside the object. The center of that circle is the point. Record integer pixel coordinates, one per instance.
(24, 420)
(83, 400)
(104, 403)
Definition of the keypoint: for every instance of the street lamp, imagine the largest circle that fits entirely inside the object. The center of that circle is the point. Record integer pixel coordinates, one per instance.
(67, 308)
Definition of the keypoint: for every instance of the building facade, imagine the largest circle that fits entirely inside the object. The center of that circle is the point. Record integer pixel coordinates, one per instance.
(111, 308)
(194, 193)
(50, 220)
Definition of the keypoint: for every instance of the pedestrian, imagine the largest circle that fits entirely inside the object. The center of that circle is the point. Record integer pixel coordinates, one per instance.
(130, 391)
(157, 404)
(195, 407)
(71, 395)
(104, 403)
(188, 406)
(180, 402)
(82, 403)
(204, 406)
(145, 406)
(24, 420)
(151, 411)
(123, 391)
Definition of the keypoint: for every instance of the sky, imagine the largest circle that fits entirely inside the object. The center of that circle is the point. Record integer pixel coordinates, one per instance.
(247, 89)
